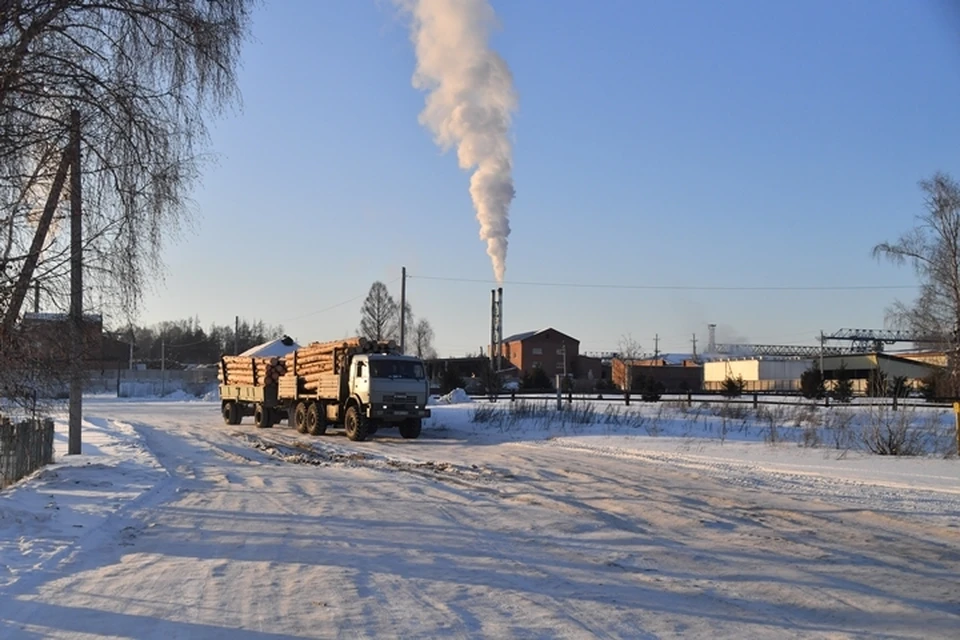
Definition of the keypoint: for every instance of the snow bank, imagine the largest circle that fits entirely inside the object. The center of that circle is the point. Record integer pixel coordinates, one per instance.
(457, 396)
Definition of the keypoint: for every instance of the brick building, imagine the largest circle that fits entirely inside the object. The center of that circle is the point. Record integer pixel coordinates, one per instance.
(551, 350)
(46, 336)
(677, 374)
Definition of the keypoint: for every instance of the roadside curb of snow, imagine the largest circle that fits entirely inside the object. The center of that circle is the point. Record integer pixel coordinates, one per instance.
(79, 502)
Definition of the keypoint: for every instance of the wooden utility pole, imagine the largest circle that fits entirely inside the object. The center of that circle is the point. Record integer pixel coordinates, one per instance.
(656, 346)
(403, 310)
(163, 366)
(236, 335)
(76, 289)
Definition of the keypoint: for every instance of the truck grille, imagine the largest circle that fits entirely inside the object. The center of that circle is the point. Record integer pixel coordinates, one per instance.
(400, 400)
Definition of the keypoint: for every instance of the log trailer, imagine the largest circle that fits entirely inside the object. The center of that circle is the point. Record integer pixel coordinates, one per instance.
(360, 384)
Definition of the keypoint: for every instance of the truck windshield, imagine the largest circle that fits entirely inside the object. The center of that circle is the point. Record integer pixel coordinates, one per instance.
(396, 369)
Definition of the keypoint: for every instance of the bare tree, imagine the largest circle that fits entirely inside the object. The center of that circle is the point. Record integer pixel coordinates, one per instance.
(932, 248)
(423, 340)
(378, 315)
(144, 76)
(628, 350)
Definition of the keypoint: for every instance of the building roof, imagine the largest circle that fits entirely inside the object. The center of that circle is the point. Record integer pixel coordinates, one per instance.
(273, 348)
(520, 337)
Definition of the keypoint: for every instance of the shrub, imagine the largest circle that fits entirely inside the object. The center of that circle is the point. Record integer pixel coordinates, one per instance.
(889, 433)
(843, 389)
(536, 380)
(604, 385)
(900, 387)
(733, 387)
(811, 383)
(877, 384)
(651, 390)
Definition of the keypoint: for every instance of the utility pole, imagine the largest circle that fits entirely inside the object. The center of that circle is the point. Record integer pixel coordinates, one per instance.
(656, 346)
(236, 335)
(163, 366)
(74, 445)
(823, 376)
(694, 347)
(403, 309)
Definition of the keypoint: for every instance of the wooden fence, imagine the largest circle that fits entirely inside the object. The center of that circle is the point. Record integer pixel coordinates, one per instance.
(24, 447)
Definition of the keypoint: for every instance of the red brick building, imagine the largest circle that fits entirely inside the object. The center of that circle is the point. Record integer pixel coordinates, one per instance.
(551, 350)
(676, 374)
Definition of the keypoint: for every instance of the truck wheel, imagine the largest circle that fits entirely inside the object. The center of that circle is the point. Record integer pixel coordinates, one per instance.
(411, 429)
(300, 417)
(262, 417)
(316, 419)
(230, 412)
(355, 425)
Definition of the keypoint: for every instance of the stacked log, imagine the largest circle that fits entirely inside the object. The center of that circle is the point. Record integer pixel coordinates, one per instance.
(315, 363)
(246, 370)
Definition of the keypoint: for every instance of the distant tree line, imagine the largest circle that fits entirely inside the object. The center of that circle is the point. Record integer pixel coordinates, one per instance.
(186, 342)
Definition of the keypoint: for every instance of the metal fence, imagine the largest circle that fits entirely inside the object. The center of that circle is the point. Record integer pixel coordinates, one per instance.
(24, 447)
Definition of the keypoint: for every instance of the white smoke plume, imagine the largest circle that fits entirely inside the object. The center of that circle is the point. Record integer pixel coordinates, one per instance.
(470, 102)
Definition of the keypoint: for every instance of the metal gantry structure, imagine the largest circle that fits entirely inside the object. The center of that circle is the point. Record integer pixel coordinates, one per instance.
(866, 340)
(779, 350)
(861, 341)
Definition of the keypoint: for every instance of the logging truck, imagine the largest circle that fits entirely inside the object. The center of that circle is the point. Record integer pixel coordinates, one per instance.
(359, 384)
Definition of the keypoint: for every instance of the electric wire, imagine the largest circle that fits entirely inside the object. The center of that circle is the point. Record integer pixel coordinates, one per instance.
(659, 287)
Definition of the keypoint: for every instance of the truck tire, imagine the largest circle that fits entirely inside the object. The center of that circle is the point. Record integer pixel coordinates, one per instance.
(262, 417)
(355, 424)
(300, 417)
(410, 429)
(316, 419)
(231, 412)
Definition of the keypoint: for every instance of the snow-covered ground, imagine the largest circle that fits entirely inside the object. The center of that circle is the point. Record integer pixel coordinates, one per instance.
(661, 522)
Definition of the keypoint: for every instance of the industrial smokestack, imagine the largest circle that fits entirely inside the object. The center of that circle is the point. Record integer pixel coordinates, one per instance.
(470, 102)
(499, 327)
(493, 326)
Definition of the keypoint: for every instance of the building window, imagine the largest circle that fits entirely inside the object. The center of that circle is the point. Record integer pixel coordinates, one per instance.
(560, 366)
(560, 351)
(537, 351)
(536, 365)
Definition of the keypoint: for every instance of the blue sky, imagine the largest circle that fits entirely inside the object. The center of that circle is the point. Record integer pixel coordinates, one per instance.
(689, 144)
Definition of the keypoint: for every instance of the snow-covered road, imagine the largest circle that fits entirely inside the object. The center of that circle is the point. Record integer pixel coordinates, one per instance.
(198, 530)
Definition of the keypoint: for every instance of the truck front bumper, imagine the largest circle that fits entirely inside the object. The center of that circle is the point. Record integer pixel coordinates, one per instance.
(391, 414)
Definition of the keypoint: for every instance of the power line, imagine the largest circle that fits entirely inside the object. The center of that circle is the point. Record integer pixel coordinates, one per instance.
(659, 287)
(332, 307)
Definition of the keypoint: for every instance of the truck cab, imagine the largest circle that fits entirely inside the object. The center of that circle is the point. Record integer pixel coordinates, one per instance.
(389, 387)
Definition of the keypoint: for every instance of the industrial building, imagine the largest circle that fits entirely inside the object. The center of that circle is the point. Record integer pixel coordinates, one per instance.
(860, 368)
(677, 373)
(759, 374)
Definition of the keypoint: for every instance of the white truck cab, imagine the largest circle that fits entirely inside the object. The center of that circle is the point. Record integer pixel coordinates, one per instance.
(390, 387)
